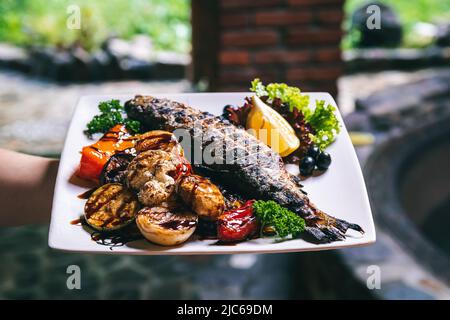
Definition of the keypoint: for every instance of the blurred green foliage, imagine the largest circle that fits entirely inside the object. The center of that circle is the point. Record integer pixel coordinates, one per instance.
(43, 22)
(409, 11)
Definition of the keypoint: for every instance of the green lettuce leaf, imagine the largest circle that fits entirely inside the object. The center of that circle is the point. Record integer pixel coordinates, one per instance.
(325, 124)
(292, 96)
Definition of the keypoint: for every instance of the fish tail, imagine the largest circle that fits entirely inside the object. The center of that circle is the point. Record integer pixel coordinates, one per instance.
(322, 228)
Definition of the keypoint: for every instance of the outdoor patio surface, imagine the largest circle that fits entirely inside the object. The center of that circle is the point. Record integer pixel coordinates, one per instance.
(35, 114)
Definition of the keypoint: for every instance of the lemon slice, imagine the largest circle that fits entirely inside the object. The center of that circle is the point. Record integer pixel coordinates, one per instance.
(271, 128)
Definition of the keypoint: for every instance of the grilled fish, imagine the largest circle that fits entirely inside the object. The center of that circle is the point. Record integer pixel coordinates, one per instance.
(234, 155)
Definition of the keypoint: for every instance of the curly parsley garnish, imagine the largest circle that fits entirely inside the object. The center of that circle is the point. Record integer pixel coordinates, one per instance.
(112, 113)
(284, 221)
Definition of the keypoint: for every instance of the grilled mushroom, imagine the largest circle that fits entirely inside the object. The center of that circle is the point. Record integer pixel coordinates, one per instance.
(150, 173)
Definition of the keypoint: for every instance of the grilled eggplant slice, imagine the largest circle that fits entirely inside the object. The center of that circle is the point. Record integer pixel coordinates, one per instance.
(202, 196)
(166, 225)
(111, 207)
(115, 170)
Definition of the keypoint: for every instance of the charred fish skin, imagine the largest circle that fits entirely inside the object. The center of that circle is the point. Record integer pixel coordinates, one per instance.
(250, 163)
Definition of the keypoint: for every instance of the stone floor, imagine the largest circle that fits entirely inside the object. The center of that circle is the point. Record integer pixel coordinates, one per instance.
(30, 270)
(400, 112)
(360, 86)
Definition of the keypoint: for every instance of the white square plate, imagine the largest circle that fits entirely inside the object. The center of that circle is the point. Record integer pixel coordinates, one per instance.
(341, 191)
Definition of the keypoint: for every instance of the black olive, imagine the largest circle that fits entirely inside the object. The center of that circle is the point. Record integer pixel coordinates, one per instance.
(323, 161)
(307, 166)
(313, 152)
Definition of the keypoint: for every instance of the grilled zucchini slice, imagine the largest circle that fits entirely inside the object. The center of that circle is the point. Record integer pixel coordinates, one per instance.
(111, 207)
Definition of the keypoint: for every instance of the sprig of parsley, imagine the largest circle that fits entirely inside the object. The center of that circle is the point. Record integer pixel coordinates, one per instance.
(112, 113)
(284, 221)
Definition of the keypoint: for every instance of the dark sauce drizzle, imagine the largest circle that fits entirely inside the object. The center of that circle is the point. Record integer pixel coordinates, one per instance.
(177, 224)
(112, 239)
(87, 194)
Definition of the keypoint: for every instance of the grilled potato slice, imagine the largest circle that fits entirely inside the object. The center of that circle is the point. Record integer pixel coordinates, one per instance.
(158, 140)
(202, 196)
(166, 225)
(111, 207)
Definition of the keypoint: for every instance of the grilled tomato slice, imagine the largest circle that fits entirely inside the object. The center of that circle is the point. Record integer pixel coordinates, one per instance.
(237, 224)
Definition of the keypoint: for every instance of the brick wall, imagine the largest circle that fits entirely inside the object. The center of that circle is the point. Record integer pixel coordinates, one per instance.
(294, 41)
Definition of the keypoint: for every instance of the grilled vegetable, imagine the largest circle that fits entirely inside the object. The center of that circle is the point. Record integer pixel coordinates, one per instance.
(158, 140)
(150, 174)
(166, 225)
(115, 170)
(202, 196)
(111, 207)
(237, 224)
(94, 157)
